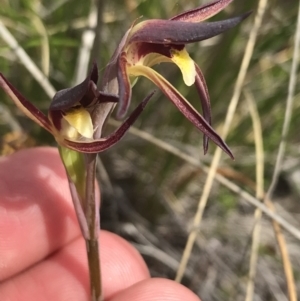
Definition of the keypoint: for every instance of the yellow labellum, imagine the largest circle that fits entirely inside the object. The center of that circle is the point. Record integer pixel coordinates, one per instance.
(187, 66)
(80, 119)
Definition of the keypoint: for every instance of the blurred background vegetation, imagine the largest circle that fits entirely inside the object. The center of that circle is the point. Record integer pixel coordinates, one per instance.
(150, 196)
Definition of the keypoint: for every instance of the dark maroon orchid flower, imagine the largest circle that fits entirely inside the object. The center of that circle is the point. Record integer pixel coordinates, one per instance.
(155, 41)
(70, 114)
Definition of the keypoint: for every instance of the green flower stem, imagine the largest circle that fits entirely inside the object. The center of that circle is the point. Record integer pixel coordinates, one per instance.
(74, 163)
(94, 269)
(91, 210)
(81, 171)
(75, 167)
(92, 216)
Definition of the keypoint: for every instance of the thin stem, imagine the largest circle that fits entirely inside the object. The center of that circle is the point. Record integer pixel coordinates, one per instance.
(91, 206)
(94, 269)
(91, 213)
(259, 151)
(92, 216)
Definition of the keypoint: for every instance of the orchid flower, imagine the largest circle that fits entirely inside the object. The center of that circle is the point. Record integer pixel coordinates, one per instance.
(156, 41)
(70, 114)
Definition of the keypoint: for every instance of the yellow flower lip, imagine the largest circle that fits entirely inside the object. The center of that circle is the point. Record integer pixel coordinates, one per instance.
(79, 119)
(187, 66)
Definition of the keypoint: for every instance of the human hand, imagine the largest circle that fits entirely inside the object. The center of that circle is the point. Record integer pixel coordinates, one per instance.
(42, 254)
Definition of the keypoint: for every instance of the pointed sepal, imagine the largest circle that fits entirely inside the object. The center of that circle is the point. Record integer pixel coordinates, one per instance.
(178, 32)
(203, 12)
(25, 105)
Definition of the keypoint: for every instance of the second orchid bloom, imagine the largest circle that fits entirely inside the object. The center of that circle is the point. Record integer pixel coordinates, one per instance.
(158, 41)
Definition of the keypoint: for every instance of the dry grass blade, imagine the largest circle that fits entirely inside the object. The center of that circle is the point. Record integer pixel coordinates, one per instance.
(259, 149)
(45, 48)
(158, 254)
(8, 118)
(277, 229)
(217, 156)
(292, 291)
(272, 282)
(26, 61)
(288, 270)
(87, 41)
(289, 108)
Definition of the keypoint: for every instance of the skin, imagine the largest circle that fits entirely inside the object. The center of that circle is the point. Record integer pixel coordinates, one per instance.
(42, 256)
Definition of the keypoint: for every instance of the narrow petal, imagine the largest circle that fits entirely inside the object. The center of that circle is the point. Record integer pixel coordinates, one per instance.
(203, 12)
(187, 66)
(124, 87)
(24, 105)
(205, 101)
(182, 104)
(178, 32)
(105, 143)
